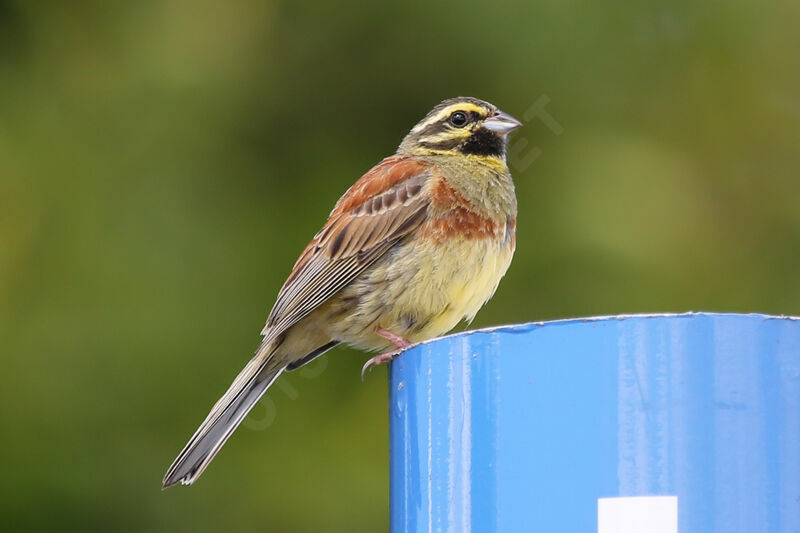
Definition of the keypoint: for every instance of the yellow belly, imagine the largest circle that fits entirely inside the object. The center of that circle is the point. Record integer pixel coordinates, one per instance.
(419, 290)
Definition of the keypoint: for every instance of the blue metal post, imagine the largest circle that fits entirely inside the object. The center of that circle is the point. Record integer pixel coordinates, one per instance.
(653, 424)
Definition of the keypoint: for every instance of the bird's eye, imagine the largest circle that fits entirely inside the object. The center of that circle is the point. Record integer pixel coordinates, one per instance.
(458, 119)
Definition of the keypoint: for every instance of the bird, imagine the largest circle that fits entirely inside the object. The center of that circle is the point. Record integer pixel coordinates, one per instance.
(416, 245)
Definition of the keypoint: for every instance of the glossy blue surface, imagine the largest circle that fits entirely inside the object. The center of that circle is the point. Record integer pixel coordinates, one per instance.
(523, 428)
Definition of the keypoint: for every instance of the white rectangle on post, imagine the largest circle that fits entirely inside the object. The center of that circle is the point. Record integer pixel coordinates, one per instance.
(639, 514)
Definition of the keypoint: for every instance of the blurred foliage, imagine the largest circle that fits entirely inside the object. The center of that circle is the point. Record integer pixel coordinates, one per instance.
(162, 163)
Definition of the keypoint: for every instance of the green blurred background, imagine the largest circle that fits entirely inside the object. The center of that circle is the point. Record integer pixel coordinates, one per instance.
(162, 163)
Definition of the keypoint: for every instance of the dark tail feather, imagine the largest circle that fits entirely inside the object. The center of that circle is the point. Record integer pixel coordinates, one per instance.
(226, 415)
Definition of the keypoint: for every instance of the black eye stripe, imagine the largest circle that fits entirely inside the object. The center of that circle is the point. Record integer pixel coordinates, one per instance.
(434, 129)
(437, 132)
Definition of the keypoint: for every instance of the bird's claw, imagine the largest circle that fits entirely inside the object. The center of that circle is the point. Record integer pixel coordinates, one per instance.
(400, 342)
(385, 357)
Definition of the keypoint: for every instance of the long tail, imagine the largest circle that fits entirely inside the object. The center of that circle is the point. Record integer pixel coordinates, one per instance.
(226, 415)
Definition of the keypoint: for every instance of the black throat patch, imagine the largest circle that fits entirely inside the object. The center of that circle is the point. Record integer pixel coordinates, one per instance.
(485, 142)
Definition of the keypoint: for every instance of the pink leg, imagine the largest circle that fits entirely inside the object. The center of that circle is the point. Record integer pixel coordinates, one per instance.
(397, 340)
(385, 357)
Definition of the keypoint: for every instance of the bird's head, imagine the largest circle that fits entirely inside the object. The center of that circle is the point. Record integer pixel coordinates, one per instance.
(461, 125)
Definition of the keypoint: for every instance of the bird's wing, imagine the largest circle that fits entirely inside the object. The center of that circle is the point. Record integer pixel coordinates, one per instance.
(382, 207)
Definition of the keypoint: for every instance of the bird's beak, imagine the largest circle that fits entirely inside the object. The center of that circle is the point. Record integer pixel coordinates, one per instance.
(501, 123)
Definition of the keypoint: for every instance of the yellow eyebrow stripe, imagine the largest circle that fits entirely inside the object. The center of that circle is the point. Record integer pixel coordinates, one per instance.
(459, 106)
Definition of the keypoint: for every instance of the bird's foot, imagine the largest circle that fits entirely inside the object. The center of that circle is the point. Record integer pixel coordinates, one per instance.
(386, 357)
(378, 360)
